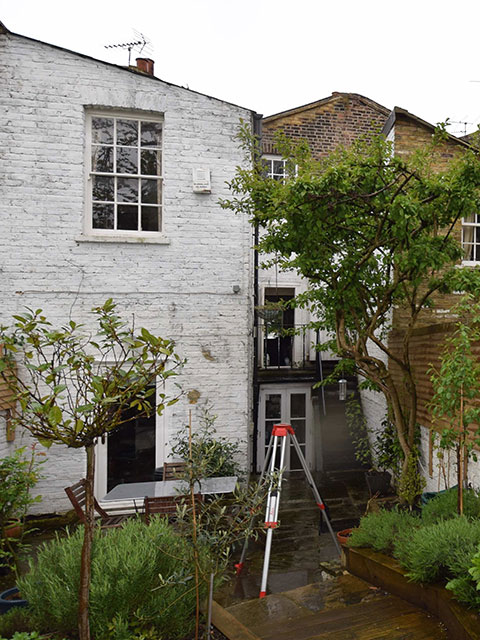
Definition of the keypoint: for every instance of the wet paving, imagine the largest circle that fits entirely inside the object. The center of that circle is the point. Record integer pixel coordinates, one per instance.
(302, 552)
(310, 596)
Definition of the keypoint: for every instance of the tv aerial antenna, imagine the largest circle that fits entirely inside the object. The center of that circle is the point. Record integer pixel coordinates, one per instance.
(140, 44)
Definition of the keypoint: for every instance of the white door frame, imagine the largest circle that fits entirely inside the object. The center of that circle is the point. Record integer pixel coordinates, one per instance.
(285, 390)
(101, 451)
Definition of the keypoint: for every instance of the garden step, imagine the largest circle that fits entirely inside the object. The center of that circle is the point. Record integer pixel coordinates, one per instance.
(344, 608)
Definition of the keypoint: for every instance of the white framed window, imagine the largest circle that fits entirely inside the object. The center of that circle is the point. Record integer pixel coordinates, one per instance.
(471, 238)
(275, 167)
(124, 177)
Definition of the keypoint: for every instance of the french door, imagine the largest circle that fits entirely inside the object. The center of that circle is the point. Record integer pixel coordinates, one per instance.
(290, 404)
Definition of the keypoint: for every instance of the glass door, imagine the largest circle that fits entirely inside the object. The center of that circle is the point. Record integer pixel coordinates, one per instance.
(289, 404)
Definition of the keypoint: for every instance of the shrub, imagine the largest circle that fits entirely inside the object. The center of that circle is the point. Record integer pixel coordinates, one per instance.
(442, 550)
(15, 620)
(140, 578)
(212, 456)
(380, 530)
(444, 506)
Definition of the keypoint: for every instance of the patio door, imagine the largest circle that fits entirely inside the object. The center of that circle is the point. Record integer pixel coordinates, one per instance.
(292, 405)
(130, 453)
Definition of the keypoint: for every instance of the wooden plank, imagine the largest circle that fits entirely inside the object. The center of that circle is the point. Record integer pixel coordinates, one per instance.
(229, 625)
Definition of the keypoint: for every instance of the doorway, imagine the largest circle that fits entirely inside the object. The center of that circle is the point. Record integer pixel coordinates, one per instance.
(290, 404)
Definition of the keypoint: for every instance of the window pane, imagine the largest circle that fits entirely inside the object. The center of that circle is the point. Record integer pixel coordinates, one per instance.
(102, 159)
(127, 160)
(278, 167)
(297, 405)
(151, 219)
(102, 130)
(127, 217)
(151, 163)
(102, 216)
(151, 134)
(127, 189)
(127, 132)
(299, 428)
(103, 188)
(151, 191)
(295, 460)
(273, 406)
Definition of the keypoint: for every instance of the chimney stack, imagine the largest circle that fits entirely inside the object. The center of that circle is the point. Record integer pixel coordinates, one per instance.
(145, 65)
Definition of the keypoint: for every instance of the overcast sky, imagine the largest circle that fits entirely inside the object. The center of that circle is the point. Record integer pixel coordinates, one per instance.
(273, 55)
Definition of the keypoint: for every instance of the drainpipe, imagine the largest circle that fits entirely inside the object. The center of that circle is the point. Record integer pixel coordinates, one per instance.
(257, 132)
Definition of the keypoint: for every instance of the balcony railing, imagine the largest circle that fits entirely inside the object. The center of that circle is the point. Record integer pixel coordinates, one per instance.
(288, 347)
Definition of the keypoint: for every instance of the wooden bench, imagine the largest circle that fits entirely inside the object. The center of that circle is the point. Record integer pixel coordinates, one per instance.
(173, 470)
(167, 505)
(76, 494)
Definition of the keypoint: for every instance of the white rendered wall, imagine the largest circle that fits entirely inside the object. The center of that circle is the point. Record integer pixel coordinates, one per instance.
(182, 289)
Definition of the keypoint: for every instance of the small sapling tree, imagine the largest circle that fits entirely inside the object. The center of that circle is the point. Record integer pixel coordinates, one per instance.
(456, 385)
(72, 388)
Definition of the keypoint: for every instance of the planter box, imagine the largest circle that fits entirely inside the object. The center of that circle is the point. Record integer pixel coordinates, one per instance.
(385, 572)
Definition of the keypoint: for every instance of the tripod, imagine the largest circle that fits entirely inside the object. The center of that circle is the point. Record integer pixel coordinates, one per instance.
(281, 434)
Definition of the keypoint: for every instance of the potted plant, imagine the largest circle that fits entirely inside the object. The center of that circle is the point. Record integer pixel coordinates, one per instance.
(18, 475)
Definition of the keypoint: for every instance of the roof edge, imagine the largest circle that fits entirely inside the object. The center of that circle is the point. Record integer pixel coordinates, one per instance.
(399, 112)
(3, 28)
(121, 68)
(335, 95)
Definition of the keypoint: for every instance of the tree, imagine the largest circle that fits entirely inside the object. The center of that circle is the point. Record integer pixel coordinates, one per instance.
(370, 232)
(73, 388)
(456, 385)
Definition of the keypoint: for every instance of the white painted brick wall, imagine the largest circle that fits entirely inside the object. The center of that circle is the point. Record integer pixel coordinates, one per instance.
(181, 290)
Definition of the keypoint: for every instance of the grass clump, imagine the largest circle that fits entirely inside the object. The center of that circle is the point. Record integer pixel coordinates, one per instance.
(444, 506)
(380, 530)
(140, 581)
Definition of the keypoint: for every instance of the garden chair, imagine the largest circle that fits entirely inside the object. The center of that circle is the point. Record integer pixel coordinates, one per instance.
(76, 494)
(166, 505)
(173, 470)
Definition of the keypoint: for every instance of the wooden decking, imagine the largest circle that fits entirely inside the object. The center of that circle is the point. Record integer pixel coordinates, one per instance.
(344, 608)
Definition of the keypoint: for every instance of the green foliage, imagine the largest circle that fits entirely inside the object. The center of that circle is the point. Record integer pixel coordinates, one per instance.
(361, 226)
(140, 580)
(209, 455)
(380, 530)
(444, 506)
(442, 550)
(78, 387)
(18, 476)
(411, 483)
(17, 620)
(358, 429)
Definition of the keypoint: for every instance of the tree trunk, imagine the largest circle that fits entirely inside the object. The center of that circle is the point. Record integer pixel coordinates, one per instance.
(86, 561)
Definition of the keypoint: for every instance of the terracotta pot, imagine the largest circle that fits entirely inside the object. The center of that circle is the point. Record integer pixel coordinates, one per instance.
(13, 529)
(342, 536)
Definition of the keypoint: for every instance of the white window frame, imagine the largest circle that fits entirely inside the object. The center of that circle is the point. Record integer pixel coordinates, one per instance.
(475, 241)
(116, 235)
(271, 159)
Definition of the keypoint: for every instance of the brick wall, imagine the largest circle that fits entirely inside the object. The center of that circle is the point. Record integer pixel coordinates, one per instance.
(181, 288)
(337, 120)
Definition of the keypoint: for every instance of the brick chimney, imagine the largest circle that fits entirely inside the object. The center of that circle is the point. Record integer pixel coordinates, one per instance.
(145, 65)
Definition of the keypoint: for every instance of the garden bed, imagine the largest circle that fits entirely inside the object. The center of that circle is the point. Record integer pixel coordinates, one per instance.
(385, 572)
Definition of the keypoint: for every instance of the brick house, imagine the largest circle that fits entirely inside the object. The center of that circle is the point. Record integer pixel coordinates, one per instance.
(100, 170)
(288, 366)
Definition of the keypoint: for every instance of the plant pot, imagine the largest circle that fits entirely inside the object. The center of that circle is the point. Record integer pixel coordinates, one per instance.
(343, 536)
(10, 599)
(378, 482)
(13, 529)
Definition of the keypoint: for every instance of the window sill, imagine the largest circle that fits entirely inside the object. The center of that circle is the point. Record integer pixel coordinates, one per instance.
(124, 239)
